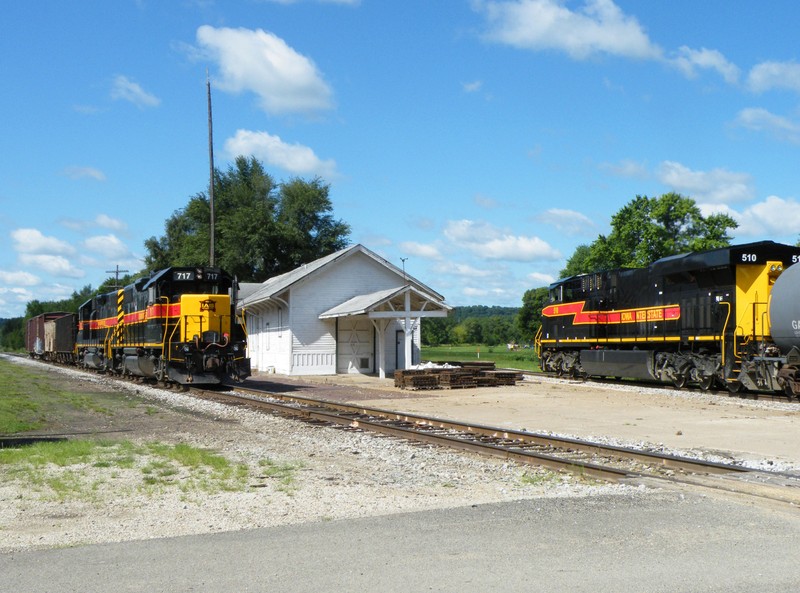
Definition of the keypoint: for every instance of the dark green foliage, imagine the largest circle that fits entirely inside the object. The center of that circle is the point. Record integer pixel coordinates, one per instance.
(473, 325)
(262, 228)
(529, 318)
(12, 334)
(647, 229)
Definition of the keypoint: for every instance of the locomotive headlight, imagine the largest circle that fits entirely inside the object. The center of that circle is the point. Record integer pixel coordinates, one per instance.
(236, 347)
(186, 349)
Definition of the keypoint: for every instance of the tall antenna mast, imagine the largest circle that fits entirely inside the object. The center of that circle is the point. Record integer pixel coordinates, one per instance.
(211, 171)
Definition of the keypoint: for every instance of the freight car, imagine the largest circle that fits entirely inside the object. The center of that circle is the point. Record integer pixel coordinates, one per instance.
(51, 336)
(727, 316)
(177, 325)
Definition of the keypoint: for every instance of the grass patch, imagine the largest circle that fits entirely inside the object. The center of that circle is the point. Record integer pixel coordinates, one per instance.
(30, 398)
(67, 470)
(538, 479)
(283, 472)
(523, 359)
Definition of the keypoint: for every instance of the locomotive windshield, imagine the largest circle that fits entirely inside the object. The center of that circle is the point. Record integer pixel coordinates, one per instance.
(175, 281)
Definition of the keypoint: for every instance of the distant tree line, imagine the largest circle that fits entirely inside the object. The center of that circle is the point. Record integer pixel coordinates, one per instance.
(474, 325)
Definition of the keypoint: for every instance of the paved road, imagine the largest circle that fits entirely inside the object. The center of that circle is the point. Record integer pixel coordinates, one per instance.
(663, 542)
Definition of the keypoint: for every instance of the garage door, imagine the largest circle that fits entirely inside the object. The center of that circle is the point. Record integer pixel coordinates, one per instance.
(356, 346)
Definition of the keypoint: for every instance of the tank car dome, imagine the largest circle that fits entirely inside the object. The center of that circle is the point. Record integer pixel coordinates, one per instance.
(784, 309)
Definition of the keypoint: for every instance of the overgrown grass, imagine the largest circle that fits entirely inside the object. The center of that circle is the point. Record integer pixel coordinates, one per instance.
(66, 470)
(523, 359)
(85, 469)
(30, 398)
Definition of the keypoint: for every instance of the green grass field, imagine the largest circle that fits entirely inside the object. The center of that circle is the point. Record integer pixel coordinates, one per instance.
(523, 359)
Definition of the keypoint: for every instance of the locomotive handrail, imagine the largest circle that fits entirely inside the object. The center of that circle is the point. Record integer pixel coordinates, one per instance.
(166, 329)
(725, 331)
(537, 342)
(244, 323)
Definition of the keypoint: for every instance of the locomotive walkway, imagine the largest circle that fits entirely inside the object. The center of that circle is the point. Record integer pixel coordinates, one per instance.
(598, 545)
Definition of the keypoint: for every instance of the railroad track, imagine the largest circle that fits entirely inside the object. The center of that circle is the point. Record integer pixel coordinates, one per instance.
(585, 458)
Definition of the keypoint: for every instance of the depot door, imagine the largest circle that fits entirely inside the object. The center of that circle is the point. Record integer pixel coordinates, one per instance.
(355, 346)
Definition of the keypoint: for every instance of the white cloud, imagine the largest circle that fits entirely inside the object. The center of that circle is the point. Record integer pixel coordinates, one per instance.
(465, 270)
(101, 220)
(689, 60)
(485, 201)
(538, 279)
(294, 158)
(13, 300)
(32, 241)
(567, 221)
(84, 172)
(19, 278)
(626, 168)
(52, 264)
(472, 87)
(774, 75)
(598, 27)
(761, 120)
(260, 62)
(122, 88)
(717, 185)
(420, 250)
(489, 242)
(107, 222)
(771, 217)
(108, 245)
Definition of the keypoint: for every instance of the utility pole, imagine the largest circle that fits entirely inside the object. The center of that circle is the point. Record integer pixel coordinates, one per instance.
(211, 259)
(116, 273)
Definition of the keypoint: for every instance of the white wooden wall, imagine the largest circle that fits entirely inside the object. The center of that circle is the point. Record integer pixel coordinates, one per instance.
(301, 343)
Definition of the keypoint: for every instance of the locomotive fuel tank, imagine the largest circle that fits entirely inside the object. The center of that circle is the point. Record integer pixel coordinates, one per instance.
(784, 309)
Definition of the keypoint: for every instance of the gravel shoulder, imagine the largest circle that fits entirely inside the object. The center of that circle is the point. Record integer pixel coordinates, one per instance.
(335, 474)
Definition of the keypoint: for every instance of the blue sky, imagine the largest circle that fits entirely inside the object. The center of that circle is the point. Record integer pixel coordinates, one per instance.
(481, 140)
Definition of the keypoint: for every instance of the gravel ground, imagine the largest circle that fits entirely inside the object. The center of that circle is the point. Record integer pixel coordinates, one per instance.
(337, 474)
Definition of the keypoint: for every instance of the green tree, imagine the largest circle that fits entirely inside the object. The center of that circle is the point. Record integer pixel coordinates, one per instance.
(11, 334)
(647, 229)
(262, 228)
(576, 264)
(437, 331)
(529, 318)
(306, 225)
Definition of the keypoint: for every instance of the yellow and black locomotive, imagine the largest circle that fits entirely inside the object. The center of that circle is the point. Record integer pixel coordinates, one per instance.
(728, 316)
(178, 324)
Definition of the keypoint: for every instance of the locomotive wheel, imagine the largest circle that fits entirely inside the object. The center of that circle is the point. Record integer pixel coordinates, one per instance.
(679, 381)
(734, 386)
(706, 381)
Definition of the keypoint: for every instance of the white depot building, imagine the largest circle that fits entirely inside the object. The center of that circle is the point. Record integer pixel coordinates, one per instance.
(349, 312)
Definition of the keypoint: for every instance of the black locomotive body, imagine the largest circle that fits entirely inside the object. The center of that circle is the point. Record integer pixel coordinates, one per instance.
(699, 318)
(177, 325)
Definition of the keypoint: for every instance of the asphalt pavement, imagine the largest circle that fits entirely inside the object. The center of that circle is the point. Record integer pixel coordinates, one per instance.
(657, 542)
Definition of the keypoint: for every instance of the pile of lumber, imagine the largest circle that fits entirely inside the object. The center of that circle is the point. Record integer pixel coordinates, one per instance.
(455, 375)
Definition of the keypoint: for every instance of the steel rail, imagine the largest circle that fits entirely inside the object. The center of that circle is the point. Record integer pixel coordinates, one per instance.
(519, 437)
(694, 473)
